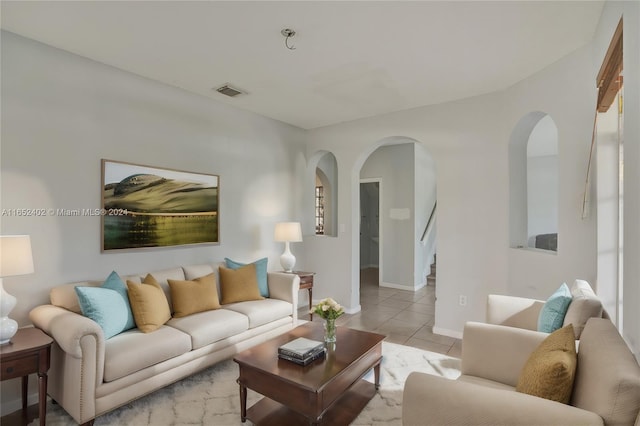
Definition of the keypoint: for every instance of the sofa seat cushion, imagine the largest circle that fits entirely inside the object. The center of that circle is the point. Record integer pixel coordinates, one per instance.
(263, 311)
(210, 326)
(134, 350)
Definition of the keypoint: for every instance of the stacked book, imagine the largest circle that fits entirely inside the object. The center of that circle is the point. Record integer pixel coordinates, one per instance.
(302, 351)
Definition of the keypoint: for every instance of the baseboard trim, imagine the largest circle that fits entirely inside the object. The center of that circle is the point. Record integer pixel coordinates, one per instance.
(353, 310)
(447, 332)
(403, 287)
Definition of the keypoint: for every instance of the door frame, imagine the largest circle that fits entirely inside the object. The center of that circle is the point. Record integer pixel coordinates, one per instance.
(380, 234)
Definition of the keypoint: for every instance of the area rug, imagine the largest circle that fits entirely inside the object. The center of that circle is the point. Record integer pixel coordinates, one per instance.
(211, 397)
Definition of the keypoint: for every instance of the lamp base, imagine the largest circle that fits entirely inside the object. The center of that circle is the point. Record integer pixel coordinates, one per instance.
(8, 329)
(287, 259)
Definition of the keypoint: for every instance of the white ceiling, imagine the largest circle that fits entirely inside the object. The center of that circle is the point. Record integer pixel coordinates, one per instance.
(352, 59)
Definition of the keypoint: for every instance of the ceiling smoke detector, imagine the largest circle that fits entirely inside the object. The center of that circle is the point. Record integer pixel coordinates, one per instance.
(229, 91)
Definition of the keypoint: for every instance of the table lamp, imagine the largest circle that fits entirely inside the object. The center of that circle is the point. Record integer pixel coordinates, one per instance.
(15, 259)
(288, 232)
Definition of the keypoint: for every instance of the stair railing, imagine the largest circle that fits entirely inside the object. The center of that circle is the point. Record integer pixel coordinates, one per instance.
(426, 228)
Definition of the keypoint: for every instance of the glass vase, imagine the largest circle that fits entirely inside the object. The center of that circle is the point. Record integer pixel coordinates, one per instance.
(330, 330)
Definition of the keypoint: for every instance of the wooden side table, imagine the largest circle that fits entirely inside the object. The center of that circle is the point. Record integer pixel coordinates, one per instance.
(306, 282)
(28, 352)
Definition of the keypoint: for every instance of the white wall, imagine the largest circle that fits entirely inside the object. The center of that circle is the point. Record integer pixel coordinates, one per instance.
(462, 138)
(564, 92)
(62, 113)
(468, 141)
(425, 198)
(607, 200)
(611, 14)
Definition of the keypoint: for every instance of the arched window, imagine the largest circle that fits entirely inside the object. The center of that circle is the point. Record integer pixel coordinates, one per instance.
(533, 180)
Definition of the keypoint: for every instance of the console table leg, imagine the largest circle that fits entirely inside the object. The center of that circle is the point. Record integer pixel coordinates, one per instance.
(25, 391)
(376, 373)
(42, 398)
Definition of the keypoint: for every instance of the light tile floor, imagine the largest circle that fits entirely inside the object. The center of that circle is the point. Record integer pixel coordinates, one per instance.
(405, 317)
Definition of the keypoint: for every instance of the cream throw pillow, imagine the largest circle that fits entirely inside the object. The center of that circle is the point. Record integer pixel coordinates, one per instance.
(190, 297)
(239, 285)
(149, 304)
(551, 368)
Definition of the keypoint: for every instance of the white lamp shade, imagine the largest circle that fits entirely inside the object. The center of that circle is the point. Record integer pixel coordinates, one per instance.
(15, 255)
(288, 232)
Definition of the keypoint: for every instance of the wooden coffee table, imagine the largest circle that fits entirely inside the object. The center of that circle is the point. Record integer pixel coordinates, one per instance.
(328, 391)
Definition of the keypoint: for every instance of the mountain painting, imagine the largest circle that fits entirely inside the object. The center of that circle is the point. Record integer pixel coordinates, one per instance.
(144, 207)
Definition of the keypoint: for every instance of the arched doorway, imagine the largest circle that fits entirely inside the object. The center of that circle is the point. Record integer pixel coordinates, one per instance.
(405, 173)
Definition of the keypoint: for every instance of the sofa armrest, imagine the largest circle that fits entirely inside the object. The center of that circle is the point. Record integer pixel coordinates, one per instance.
(496, 352)
(513, 311)
(285, 287)
(77, 359)
(434, 400)
(66, 328)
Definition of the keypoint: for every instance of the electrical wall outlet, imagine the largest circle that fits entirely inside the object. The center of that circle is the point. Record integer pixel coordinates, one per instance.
(463, 300)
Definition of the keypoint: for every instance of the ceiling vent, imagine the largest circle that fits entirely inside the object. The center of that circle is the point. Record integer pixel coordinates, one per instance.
(230, 91)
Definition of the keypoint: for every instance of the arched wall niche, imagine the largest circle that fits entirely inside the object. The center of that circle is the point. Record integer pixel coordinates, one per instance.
(323, 174)
(533, 183)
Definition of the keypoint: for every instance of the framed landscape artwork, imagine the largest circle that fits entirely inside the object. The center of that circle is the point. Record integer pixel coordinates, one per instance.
(146, 207)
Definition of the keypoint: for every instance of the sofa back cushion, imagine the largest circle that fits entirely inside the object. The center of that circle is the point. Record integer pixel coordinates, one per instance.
(65, 295)
(584, 305)
(608, 376)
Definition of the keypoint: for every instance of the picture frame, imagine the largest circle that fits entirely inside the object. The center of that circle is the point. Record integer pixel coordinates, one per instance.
(151, 207)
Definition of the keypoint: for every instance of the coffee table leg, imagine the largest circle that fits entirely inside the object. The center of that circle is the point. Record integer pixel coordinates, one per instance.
(243, 402)
(376, 373)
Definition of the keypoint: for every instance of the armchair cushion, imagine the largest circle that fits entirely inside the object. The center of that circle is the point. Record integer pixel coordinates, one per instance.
(554, 310)
(550, 370)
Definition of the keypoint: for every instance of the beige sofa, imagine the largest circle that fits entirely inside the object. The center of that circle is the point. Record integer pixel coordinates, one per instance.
(90, 376)
(606, 387)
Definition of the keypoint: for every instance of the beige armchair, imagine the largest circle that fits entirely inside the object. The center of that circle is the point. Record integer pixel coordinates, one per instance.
(521, 312)
(606, 388)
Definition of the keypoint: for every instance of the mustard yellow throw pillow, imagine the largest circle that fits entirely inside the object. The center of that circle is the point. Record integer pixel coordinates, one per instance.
(551, 368)
(149, 304)
(190, 297)
(239, 285)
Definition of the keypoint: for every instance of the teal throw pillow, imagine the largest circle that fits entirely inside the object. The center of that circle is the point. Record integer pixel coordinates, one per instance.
(108, 305)
(261, 273)
(555, 308)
